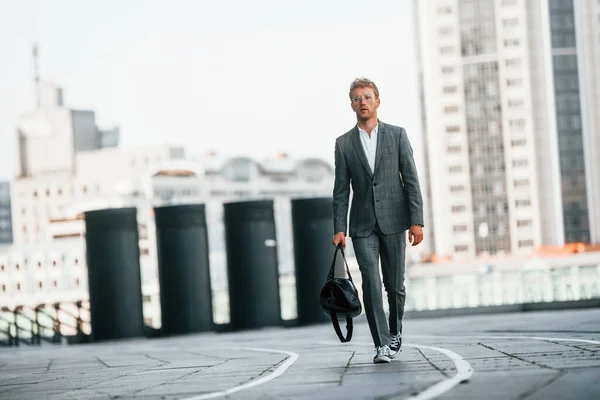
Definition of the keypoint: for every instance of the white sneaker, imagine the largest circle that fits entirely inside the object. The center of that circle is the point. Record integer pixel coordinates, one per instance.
(395, 345)
(383, 355)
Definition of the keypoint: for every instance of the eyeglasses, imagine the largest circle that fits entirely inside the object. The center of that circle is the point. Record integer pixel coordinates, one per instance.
(358, 99)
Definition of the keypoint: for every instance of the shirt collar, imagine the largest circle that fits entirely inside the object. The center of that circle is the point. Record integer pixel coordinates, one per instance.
(373, 132)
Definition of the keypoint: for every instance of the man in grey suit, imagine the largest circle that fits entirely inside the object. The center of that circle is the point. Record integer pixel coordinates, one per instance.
(376, 160)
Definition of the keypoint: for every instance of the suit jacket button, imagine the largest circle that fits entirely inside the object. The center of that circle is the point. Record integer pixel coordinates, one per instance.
(374, 183)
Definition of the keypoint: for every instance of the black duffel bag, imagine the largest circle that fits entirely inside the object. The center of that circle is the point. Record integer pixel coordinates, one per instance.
(339, 298)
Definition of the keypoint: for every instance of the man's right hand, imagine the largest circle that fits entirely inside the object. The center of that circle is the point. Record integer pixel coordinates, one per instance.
(338, 238)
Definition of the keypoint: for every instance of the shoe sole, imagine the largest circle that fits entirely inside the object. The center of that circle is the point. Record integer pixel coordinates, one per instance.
(381, 360)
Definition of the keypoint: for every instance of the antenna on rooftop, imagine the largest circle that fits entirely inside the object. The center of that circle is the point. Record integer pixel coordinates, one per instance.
(36, 71)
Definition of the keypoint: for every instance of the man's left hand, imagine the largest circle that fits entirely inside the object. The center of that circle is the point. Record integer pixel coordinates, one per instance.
(415, 234)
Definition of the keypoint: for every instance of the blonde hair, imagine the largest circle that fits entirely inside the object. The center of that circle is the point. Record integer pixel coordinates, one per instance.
(362, 83)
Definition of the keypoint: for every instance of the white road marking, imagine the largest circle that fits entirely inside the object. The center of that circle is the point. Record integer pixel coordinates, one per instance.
(463, 374)
(509, 337)
(543, 338)
(278, 372)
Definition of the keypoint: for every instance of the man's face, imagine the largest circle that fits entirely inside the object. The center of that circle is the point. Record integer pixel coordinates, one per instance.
(364, 103)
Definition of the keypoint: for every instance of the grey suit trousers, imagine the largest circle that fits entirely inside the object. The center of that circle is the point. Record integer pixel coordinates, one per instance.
(391, 249)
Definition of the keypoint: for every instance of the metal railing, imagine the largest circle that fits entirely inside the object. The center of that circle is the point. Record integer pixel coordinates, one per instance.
(497, 288)
(45, 323)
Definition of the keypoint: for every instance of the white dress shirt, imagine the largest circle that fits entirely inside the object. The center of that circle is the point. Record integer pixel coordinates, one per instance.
(369, 145)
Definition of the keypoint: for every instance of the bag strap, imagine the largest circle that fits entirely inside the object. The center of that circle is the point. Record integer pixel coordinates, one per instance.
(338, 331)
(331, 274)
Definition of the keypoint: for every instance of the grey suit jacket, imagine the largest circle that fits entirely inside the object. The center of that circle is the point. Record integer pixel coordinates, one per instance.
(390, 196)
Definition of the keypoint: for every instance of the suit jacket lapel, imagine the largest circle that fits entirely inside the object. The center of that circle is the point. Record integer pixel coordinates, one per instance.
(361, 151)
(380, 144)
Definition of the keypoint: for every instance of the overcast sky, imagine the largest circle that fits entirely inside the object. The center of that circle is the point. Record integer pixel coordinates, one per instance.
(254, 77)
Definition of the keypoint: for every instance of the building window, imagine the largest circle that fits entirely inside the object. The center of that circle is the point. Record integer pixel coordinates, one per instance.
(145, 251)
(446, 30)
(513, 63)
(461, 248)
(2, 267)
(39, 264)
(455, 168)
(77, 283)
(444, 10)
(40, 284)
(447, 70)
(453, 129)
(55, 284)
(459, 208)
(511, 42)
(522, 162)
(514, 82)
(454, 149)
(3, 287)
(84, 189)
(459, 228)
(525, 243)
(447, 50)
(518, 142)
(60, 192)
(47, 192)
(509, 2)
(498, 188)
(515, 103)
(522, 203)
(18, 286)
(521, 183)
(517, 125)
(451, 109)
(35, 193)
(17, 266)
(450, 89)
(457, 188)
(508, 22)
(522, 223)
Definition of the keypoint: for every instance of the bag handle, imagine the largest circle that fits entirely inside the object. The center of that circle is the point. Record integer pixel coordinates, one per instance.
(338, 331)
(331, 274)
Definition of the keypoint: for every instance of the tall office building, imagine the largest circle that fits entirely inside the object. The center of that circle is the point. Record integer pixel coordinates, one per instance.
(509, 89)
(575, 38)
(6, 236)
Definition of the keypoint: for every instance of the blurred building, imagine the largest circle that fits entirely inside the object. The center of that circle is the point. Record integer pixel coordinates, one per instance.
(68, 166)
(510, 91)
(52, 140)
(51, 135)
(50, 266)
(6, 236)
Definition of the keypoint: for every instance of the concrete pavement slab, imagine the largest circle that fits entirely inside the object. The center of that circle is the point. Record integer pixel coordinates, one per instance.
(533, 357)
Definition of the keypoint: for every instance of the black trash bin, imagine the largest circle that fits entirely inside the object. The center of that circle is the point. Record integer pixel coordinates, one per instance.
(253, 274)
(113, 263)
(183, 267)
(312, 225)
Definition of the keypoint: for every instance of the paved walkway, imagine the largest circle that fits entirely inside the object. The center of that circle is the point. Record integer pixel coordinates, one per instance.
(545, 355)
